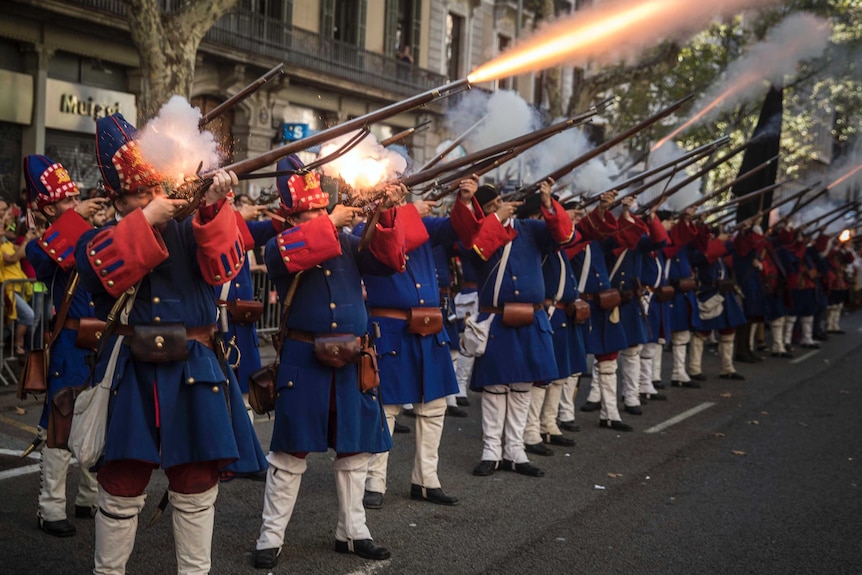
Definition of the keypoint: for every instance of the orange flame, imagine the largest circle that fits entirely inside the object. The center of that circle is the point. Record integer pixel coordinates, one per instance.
(845, 235)
(844, 177)
(744, 82)
(604, 32)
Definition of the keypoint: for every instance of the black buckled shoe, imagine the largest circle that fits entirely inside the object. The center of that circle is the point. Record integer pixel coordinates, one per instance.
(658, 384)
(591, 406)
(734, 376)
(454, 411)
(432, 495)
(525, 468)
(400, 428)
(365, 548)
(266, 558)
(570, 426)
(59, 528)
(85, 511)
(615, 424)
(462, 401)
(633, 409)
(697, 377)
(810, 345)
(688, 384)
(486, 467)
(782, 354)
(372, 500)
(653, 397)
(538, 449)
(557, 439)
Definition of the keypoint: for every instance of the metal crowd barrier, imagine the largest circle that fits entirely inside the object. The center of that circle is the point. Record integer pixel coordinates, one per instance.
(39, 301)
(264, 291)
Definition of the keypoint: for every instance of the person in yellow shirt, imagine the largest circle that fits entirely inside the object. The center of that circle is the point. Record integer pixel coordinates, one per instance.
(17, 308)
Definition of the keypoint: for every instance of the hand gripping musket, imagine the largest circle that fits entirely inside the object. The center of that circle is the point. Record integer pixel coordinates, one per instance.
(672, 167)
(601, 148)
(405, 133)
(241, 95)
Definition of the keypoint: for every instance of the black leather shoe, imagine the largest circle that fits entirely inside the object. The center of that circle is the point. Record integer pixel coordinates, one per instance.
(837, 331)
(85, 512)
(462, 401)
(557, 439)
(431, 494)
(408, 412)
(810, 345)
(615, 424)
(569, 426)
(782, 354)
(697, 377)
(688, 384)
(633, 409)
(365, 548)
(591, 406)
(734, 376)
(745, 358)
(454, 411)
(538, 449)
(266, 558)
(59, 528)
(658, 384)
(525, 468)
(372, 500)
(653, 397)
(401, 428)
(486, 467)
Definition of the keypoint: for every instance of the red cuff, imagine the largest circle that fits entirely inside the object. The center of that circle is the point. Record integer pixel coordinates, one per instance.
(559, 223)
(220, 252)
(60, 238)
(415, 232)
(595, 227)
(465, 222)
(491, 237)
(208, 213)
(310, 243)
(387, 243)
(630, 232)
(123, 254)
(244, 232)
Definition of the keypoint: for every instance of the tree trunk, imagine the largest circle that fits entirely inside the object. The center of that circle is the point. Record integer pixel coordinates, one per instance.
(167, 44)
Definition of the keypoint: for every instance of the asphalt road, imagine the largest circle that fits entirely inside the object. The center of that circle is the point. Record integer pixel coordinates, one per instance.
(761, 477)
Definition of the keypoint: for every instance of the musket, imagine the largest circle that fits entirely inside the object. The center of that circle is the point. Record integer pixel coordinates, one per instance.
(405, 133)
(241, 95)
(601, 148)
(799, 204)
(796, 195)
(730, 184)
(452, 145)
(739, 200)
(674, 166)
(842, 209)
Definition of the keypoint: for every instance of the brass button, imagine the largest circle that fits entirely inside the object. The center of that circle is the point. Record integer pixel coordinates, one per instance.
(116, 391)
(283, 248)
(290, 384)
(406, 258)
(218, 278)
(228, 273)
(157, 299)
(236, 265)
(563, 324)
(52, 251)
(97, 262)
(236, 284)
(110, 283)
(514, 278)
(160, 341)
(103, 273)
(422, 301)
(517, 292)
(427, 320)
(190, 380)
(333, 325)
(327, 272)
(418, 285)
(332, 305)
(157, 319)
(59, 258)
(392, 353)
(45, 244)
(215, 389)
(56, 374)
(98, 335)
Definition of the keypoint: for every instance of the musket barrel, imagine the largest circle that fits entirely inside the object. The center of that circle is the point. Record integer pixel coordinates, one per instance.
(272, 156)
(241, 95)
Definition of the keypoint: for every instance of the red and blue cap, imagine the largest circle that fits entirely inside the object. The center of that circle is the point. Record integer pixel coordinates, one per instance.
(48, 182)
(123, 169)
(299, 192)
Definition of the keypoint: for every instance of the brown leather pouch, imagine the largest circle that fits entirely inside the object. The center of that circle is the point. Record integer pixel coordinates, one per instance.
(518, 314)
(336, 349)
(578, 310)
(686, 284)
(60, 417)
(664, 293)
(626, 295)
(159, 343)
(368, 372)
(608, 299)
(34, 376)
(261, 389)
(245, 312)
(90, 330)
(725, 286)
(425, 320)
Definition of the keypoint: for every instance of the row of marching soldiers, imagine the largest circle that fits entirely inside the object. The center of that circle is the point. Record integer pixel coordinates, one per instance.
(545, 286)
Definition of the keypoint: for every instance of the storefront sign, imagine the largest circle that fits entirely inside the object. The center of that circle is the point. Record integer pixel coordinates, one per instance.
(76, 108)
(16, 105)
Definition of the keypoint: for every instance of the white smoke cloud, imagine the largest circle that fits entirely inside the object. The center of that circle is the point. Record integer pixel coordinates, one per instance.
(173, 143)
(365, 166)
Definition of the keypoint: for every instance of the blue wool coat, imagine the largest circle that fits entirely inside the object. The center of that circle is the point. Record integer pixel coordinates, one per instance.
(568, 336)
(318, 406)
(708, 274)
(658, 316)
(447, 299)
(601, 334)
(413, 368)
(184, 411)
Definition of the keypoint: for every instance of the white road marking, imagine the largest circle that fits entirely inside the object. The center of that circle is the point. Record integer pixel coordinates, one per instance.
(33, 455)
(681, 417)
(26, 470)
(805, 356)
(374, 568)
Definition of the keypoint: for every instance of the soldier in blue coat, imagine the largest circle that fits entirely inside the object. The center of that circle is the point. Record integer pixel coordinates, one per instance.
(51, 191)
(415, 358)
(658, 315)
(321, 406)
(173, 403)
(520, 351)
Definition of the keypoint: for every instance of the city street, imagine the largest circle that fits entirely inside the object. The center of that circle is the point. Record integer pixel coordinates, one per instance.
(760, 476)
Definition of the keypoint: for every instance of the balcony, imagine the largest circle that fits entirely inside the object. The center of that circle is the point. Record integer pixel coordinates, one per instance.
(256, 35)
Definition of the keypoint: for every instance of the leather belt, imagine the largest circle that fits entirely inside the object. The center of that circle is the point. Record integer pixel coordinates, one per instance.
(488, 309)
(202, 334)
(470, 285)
(558, 305)
(299, 335)
(72, 323)
(402, 314)
(589, 297)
